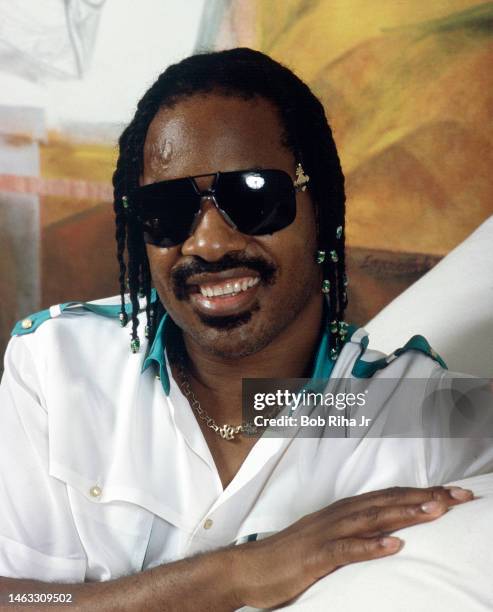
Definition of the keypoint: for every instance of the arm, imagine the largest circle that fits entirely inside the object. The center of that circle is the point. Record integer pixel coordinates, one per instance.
(191, 584)
(265, 573)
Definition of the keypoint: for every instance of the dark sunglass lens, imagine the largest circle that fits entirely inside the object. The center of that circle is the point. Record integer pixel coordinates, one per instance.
(258, 202)
(167, 211)
(163, 234)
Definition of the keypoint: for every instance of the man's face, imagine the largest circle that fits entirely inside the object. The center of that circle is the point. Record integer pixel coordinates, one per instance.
(274, 277)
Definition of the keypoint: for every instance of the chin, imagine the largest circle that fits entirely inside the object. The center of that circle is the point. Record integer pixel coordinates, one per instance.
(232, 337)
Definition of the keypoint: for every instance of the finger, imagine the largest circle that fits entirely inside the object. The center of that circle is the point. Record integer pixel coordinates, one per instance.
(336, 553)
(379, 519)
(393, 496)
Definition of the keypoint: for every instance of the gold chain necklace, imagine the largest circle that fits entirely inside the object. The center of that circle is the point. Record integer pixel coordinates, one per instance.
(225, 431)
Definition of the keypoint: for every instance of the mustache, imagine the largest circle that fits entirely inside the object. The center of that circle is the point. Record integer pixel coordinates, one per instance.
(180, 276)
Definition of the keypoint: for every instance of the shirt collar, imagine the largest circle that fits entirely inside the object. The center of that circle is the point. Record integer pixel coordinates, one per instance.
(166, 336)
(156, 352)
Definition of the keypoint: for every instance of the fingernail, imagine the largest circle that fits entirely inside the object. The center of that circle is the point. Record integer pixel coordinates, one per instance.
(459, 493)
(431, 507)
(390, 542)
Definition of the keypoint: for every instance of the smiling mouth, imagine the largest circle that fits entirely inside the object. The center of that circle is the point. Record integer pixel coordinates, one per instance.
(229, 296)
(228, 288)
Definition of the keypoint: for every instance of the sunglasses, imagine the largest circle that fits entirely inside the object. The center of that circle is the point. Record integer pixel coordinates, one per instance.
(254, 202)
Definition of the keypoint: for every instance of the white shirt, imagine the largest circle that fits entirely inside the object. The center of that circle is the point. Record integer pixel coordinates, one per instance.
(103, 474)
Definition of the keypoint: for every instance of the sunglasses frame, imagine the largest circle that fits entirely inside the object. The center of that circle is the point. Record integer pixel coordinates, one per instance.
(299, 184)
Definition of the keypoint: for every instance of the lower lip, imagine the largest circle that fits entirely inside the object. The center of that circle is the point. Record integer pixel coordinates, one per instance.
(221, 305)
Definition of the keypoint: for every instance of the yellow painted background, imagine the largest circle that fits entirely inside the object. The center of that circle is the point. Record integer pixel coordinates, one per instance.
(407, 88)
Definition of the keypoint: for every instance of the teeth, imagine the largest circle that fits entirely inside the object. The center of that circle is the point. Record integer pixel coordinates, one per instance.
(229, 289)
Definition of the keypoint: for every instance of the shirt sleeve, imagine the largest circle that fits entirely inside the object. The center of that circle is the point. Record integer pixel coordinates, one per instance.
(458, 426)
(38, 537)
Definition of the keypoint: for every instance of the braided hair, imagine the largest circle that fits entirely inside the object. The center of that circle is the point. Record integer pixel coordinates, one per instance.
(241, 73)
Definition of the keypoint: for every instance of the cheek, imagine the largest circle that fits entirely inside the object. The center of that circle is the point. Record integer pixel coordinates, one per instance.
(161, 262)
(296, 246)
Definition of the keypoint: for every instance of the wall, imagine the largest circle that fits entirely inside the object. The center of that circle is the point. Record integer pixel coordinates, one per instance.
(406, 86)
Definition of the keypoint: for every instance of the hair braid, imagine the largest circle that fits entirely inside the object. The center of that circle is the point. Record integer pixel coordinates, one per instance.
(121, 226)
(321, 162)
(125, 179)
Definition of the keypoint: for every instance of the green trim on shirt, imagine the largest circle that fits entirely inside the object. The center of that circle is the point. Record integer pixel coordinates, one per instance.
(366, 369)
(322, 368)
(166, 332)
(31, 323)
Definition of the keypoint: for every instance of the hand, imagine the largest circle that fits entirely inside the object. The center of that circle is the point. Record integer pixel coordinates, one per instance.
(272, 571)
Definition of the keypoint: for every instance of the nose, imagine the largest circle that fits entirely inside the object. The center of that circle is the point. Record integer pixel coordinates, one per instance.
(213, 237)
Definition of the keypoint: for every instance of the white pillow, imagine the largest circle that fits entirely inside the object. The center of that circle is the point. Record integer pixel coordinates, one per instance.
(445, 566)
(451, 305)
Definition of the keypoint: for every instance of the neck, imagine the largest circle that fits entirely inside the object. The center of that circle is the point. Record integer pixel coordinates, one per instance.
(289, 355)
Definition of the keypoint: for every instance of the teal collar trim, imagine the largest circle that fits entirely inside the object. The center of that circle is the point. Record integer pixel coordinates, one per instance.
(366, 369)
(166, 333)
(156, 351)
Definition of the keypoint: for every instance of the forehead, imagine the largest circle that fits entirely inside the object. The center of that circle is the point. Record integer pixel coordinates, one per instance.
(209, 133)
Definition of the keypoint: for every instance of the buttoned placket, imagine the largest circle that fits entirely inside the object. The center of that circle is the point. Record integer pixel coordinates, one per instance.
(226, 508)
(224, 519)
(218, 515)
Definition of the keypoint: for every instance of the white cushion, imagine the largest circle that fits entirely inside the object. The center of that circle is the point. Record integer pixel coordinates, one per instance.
(451, 305)
(444, 566)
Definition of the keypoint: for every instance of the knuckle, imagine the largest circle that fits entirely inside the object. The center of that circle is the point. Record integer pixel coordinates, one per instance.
(408, 511)
(346, 550)
(372, 513)
(394, 493)
(368, 546)
(342, 548)
(437, 493)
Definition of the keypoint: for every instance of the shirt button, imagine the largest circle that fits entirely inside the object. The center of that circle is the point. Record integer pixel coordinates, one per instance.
(26, 324)
(95, 491)
(208, 523)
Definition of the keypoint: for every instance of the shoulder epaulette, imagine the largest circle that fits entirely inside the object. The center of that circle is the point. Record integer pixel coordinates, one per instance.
(366, 369)
(31, 323)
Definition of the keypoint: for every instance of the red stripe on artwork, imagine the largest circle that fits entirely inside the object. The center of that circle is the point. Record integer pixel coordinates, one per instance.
(68, 188)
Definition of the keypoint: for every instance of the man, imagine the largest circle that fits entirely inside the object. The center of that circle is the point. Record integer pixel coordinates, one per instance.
(132, 458)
